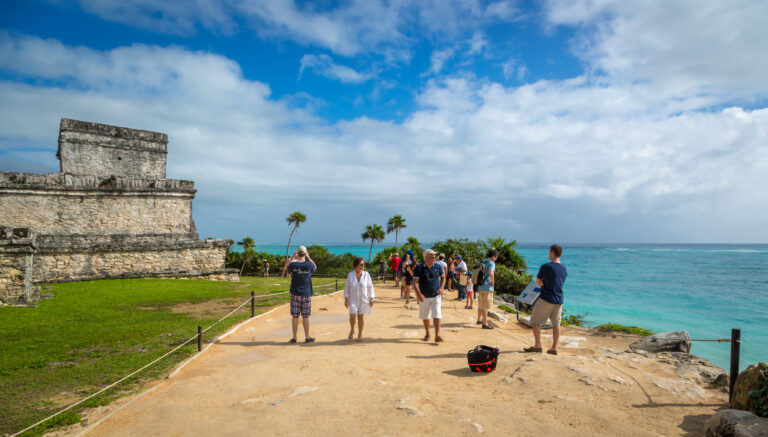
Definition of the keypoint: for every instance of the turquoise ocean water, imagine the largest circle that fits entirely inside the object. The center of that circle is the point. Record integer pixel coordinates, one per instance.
(703, 289)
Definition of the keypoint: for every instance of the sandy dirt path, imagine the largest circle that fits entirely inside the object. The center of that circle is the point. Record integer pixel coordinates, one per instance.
(254, 382)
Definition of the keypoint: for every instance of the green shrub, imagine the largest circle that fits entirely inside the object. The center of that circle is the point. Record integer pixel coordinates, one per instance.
(572, 319)
(507, 309)
(511, 281)
(615, 327)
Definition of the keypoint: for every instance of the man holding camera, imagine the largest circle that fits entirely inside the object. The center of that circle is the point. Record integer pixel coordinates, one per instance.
(301, 268)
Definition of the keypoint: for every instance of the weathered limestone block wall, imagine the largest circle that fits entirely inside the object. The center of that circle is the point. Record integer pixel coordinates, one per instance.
(17, 247)
(205, 259)
(98, 149)
(59, 213)
(64, 204)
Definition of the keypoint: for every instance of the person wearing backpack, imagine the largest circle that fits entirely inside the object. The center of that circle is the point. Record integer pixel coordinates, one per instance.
(486, 281)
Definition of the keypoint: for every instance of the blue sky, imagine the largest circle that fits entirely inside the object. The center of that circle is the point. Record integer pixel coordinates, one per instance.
(567, 121)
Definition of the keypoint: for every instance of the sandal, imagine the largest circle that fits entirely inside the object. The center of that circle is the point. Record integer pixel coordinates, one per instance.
(350, 336)
(532, 349)
(438, 339)
(487, 327)
(293, 340)
(309, 340)
(552, 352)
(426, 338)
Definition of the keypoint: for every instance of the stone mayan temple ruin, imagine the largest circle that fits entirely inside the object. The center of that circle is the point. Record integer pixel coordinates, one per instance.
(110, 213)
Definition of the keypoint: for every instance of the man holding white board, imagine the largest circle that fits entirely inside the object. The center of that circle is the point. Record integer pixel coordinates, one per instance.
(550, 278)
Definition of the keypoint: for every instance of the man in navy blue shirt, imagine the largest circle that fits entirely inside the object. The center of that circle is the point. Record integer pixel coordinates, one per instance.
(550, 278)
(301, 268)
(428, 280)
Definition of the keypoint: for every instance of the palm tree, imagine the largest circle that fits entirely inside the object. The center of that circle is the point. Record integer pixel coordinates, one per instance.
(247, 244)
(394, 224)
(374, 233)
(508, 256)
(296, 218)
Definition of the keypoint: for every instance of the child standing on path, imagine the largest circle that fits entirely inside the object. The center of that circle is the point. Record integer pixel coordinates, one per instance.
(469, 290)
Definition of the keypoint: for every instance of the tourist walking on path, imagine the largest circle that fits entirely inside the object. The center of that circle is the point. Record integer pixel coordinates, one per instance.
(429, 279)
(485, 290)
(406, 266)
(382, 270)
(551, 278)
(460, 271)
(358, 297)
(451, 271)
(395, 264)
(265, 265)
(301, 268)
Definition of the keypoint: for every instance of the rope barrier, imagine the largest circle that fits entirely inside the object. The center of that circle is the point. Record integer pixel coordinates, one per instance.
(154, 361)
(105, 388)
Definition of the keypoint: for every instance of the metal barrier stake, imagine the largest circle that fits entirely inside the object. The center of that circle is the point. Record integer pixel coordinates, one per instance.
(199, 338)
(735, 349)
(253, 304)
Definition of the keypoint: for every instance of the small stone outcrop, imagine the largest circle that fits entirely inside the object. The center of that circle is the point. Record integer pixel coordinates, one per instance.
(697, 369)
(675, 341)
(736, 423)
(751, 390)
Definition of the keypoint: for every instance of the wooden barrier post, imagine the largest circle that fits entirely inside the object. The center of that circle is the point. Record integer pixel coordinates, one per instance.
(253, 304)
(199, 338)
(735, 350)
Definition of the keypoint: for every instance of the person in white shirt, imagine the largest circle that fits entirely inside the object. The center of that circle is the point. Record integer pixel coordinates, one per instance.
(443, 264)
(358, 297)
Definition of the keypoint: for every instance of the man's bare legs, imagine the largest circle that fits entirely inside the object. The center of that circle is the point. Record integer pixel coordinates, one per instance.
(295, 326)
(537, 335)
(426, 328)
(555, 336)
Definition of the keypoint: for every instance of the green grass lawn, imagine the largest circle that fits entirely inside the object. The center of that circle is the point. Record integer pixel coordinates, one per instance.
(91, 334)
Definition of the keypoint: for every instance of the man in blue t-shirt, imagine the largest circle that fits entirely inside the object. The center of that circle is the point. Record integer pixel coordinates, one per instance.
(428, 280)
(301, 268)
(550, 278)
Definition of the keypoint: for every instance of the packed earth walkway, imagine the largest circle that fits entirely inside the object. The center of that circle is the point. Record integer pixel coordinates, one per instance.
(254, 382)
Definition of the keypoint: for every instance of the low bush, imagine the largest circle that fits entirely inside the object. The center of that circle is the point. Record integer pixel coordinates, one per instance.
(615, 327)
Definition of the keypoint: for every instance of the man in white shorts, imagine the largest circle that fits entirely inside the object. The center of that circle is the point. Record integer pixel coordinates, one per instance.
(428, 280)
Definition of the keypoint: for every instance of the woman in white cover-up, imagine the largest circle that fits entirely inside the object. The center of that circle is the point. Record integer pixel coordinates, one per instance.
(358, 297)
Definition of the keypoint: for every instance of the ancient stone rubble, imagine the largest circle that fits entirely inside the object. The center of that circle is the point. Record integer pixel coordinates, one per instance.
(109, 213)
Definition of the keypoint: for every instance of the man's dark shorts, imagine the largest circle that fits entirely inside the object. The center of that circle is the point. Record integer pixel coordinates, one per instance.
(301, 305)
